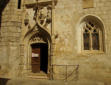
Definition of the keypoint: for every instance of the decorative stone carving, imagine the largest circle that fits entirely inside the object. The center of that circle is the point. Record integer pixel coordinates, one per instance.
(26, 20)
(29, 21)
(38, 14)
(43, 15)
(36, 39)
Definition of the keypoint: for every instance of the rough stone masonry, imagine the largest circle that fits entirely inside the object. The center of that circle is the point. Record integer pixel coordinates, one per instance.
(71, 38)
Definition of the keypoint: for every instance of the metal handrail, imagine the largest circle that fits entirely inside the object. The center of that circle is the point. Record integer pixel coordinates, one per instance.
(67, 75)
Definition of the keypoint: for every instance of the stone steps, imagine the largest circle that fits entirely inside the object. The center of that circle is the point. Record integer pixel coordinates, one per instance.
(50, 82)
(38, 77)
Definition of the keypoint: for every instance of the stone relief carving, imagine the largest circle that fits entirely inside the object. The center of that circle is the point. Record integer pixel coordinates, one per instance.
(38, 15)
(26, 21)
(29, 21)
(43, 15)
(36, 39)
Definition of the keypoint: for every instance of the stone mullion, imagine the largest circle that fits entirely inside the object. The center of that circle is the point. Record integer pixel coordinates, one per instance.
(90, 38)
(100, 40)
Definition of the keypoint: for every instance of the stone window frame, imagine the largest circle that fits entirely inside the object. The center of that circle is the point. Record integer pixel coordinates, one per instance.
(101, 37)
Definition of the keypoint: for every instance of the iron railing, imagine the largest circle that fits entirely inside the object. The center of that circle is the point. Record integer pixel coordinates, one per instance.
(66, 71)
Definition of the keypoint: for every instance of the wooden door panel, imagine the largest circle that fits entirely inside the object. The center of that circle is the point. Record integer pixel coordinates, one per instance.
(35, 68)
(35, 60)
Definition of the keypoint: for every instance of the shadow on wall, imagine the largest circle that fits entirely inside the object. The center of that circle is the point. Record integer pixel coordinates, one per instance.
(3, 81)
(3, 4)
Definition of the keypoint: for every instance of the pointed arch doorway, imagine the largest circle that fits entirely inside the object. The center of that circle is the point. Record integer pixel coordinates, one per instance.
(39, 57)
(37, 53)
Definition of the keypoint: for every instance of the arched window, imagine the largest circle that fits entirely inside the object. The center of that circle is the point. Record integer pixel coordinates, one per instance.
(92, 35)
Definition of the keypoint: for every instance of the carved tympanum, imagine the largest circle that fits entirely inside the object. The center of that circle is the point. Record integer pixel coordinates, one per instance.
(36, 39)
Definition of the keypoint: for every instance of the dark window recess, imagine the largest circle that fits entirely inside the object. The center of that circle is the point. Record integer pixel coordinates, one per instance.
(19, 4)
(86, 41)
(95, 41)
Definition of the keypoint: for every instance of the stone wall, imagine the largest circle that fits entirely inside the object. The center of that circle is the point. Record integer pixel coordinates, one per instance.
(67, 46)
(68, 15)
(10, 38)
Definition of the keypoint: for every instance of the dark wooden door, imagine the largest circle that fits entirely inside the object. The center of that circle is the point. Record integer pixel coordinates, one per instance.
(35, 60)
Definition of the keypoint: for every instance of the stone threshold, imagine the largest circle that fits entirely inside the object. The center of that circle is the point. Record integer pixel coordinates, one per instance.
(40, 75)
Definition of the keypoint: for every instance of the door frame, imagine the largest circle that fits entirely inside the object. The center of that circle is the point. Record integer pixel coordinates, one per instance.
(39, 46)
(31, 37)
(29, 54)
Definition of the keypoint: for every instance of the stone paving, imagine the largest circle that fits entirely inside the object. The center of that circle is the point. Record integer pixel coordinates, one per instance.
(49, 82)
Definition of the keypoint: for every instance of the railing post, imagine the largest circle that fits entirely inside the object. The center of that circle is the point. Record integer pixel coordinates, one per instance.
(51, 72)
(66, 72)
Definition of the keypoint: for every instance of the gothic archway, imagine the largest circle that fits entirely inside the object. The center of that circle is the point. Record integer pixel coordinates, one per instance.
(37, 40)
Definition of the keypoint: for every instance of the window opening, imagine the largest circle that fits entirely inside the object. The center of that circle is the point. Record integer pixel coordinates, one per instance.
(91, 36)
(19, 4)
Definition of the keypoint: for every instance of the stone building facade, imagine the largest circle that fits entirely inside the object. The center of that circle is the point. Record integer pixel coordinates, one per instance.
(56, 39)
